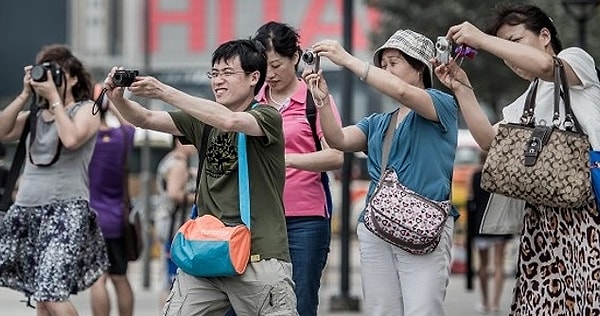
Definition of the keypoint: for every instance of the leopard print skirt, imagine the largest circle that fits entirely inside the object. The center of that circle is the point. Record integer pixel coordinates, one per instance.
(559, 262)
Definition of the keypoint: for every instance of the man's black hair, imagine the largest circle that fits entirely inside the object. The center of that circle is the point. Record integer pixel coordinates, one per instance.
(252, 57)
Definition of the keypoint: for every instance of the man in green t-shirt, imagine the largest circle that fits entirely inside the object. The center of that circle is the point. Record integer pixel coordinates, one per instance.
(238, 71)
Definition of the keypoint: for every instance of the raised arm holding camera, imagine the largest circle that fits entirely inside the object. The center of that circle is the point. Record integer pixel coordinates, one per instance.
(557, 263)
(237, 73)
(50, 227)
(306, 194)
(424, 124)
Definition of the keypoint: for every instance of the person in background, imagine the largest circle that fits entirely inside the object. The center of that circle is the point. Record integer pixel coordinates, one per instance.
(484, 244)
(396, 282)
(113, 148)
(558, 264)
(176, 185)
(51, 245)
(305, 196)
(237, 73)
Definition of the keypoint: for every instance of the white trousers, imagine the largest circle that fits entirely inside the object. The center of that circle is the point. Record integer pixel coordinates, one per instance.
(395, 282)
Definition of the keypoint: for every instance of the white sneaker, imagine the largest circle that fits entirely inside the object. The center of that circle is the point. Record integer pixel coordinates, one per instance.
(480, 308)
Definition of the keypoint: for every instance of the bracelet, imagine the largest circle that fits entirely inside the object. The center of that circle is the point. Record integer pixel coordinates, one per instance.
(317, 104)
(464, 84)
(54, 105)
(365, 72)
(320, 104)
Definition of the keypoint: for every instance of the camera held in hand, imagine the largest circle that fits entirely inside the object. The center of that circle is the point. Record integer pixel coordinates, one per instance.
(38, 73)
(125, 77)
(312, 59)
(443, 48)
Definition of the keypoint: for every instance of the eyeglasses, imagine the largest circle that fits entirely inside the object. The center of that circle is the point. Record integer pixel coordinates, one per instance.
(213, 74)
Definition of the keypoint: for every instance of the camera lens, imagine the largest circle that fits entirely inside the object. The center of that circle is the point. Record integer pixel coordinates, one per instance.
(308, 57)
(442, 44)
(38, 73)
(118, 77)
(124, 77)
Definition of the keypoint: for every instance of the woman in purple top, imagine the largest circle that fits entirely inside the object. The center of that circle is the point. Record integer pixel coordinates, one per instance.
(106, 171)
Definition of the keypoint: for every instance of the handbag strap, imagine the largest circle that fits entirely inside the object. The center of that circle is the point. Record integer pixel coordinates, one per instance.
(125, 175)
(528, 116)
(560, 77)
(561, 89)
(387, 142)
(15, 168)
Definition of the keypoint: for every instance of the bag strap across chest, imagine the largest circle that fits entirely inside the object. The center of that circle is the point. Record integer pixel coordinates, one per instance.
(387, 143)
(243, 177)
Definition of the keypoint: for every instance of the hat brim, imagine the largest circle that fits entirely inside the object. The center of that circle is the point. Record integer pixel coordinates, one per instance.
(379, 52)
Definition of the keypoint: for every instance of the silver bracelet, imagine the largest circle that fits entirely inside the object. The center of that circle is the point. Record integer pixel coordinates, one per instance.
(54, 105)
(365, 72)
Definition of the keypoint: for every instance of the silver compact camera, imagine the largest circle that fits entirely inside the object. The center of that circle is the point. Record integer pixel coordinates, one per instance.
(311, 58)
(443, 49)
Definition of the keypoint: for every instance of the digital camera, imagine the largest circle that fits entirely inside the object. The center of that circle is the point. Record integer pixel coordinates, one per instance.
(125, 77)
(311, 58)
(38, 72)
(443, 48)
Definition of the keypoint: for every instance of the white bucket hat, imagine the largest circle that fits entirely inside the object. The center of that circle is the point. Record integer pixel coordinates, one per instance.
(412, 44)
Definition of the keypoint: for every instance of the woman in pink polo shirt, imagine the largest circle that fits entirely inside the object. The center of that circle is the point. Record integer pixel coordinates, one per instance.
(306, 195)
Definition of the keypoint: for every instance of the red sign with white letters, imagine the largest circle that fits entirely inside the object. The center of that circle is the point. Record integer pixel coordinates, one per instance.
(194, 28)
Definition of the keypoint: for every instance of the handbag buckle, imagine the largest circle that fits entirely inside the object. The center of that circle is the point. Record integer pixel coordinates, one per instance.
(534, 145)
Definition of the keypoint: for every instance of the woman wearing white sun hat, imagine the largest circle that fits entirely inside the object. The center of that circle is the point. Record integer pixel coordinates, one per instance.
(396, 282)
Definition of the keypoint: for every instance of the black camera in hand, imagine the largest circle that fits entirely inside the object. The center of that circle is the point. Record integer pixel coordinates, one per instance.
(38, 72)
(125, 77)
(312, 59)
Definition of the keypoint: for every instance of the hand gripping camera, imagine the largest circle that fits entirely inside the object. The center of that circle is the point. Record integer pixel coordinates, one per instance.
(443, 49)
(125, 77)
(38, 73)
(311, 58)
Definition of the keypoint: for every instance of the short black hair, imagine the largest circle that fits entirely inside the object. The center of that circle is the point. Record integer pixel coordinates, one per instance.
(252, 57)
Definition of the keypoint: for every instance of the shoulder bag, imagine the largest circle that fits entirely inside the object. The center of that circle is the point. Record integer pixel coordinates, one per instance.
(401, 216)
(204, 246)
(540, 164)
(132, 221)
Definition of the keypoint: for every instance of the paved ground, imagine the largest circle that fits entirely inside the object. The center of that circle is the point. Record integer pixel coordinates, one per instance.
(459, 301)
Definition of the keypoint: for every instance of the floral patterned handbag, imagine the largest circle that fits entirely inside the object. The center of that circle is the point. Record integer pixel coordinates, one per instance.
(401, 216)
(543, 165)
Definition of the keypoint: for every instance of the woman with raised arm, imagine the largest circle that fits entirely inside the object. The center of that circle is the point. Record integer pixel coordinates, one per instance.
(395, 281)
(306, 194)
(558, 266)
(50, 243)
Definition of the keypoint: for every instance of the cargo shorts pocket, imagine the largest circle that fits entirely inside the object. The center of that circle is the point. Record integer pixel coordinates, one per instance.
(279, 300)
(176, 299)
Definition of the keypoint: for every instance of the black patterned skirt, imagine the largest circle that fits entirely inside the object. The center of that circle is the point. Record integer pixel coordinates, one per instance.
(559, 262)
(50, 252)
